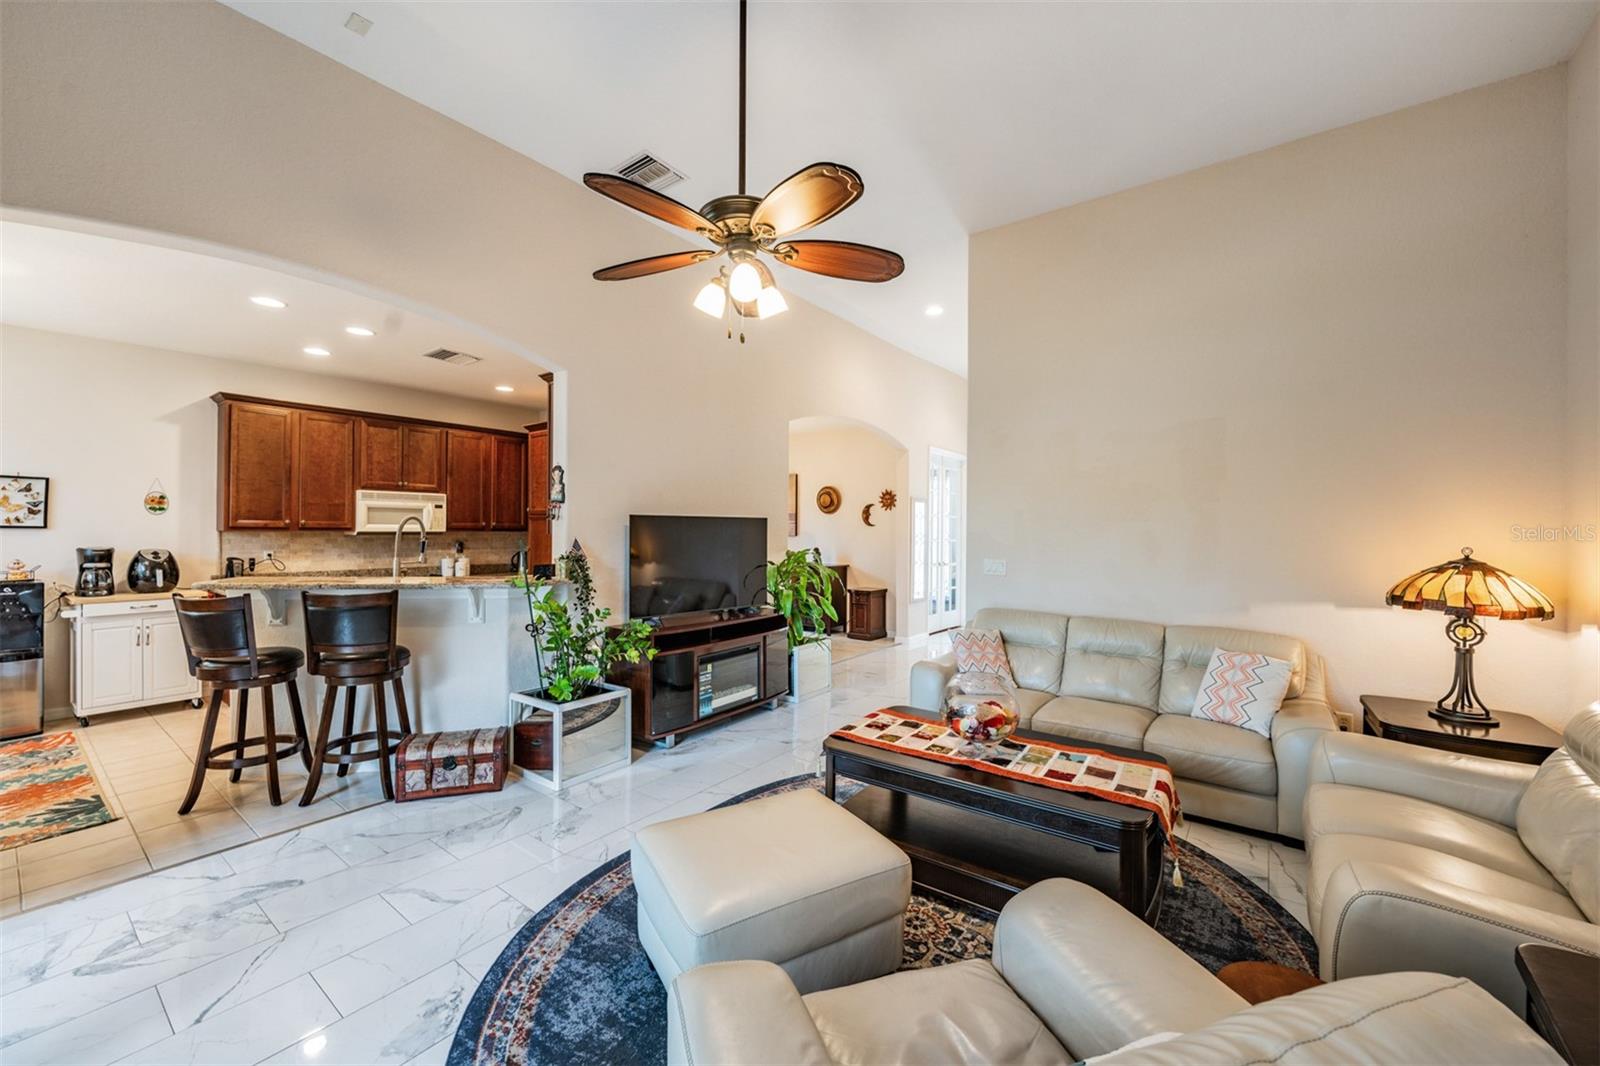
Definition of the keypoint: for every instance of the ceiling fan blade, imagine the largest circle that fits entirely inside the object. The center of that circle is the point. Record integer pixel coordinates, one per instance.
(841, 259)
(632, 194)
(805, 199)
(656, 264)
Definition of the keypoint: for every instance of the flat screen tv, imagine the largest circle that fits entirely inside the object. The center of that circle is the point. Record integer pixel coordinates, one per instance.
(678, 564)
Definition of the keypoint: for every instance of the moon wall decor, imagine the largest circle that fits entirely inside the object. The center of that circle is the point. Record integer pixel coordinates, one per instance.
(828, 499)
(866, 514)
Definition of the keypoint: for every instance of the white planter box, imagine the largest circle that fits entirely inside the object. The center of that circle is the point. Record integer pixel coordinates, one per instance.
(810, 670)
(588, 736)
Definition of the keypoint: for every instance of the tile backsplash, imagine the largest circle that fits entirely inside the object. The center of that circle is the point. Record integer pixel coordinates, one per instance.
(318, 551)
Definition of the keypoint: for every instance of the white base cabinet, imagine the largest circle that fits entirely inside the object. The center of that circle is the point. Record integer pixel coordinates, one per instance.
(127, 653)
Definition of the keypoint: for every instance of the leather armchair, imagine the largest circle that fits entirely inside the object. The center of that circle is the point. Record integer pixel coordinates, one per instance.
(1075, 975)
(1427, 860)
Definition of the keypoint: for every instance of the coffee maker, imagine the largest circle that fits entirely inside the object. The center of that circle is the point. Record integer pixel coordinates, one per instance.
(94, 573)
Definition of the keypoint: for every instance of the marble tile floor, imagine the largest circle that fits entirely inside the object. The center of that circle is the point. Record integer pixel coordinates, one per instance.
(143, 759)
(360, 939)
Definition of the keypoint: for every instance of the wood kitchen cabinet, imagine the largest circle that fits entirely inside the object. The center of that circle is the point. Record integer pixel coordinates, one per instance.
(468, 460)
(256, 444)
(393, 454)
(539, 536)
(508, 482)
(325, 494)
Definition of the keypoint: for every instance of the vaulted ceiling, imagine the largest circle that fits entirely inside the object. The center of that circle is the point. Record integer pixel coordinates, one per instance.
(960, 116)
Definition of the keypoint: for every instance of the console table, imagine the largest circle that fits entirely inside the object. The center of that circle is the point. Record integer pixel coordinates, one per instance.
(709, 666)
(1517, 738)
(1562, 1006)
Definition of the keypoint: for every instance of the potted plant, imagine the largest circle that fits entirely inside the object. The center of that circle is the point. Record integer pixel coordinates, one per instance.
(574, 649)
(800, 588)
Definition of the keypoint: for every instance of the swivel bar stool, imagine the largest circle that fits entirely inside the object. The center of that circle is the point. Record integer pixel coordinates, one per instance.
(350, 642)
(219, 636)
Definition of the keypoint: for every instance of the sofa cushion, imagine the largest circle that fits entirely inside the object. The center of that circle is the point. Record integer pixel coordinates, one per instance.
(1243, 689)
(1188, 651)
(1094, 721)
(1113, 659)
(1332, 809)
(1557, 819)
(963, 1012)
(1034, 640)
(981, 651)
(1029, 700)
(1213, 752)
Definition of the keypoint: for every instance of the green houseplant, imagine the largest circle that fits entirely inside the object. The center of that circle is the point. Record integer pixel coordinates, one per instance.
(573, 645)
(800, 587)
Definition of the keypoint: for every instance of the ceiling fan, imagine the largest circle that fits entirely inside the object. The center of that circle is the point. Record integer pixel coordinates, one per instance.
(744, 227)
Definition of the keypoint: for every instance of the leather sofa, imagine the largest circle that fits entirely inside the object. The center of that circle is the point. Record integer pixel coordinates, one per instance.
(1075, 975)
(1133, 684)
(1427, 860)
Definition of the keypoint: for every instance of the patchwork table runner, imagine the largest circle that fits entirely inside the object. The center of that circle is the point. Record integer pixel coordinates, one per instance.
(1072, 768)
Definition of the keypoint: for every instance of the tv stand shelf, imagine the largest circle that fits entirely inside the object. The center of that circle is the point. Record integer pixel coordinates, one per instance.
(709, 666)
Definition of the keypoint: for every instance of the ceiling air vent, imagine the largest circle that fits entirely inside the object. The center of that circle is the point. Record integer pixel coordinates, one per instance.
(650, 172)
(445, 355)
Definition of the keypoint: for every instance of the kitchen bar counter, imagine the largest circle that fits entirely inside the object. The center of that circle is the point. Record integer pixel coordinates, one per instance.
(339, 580)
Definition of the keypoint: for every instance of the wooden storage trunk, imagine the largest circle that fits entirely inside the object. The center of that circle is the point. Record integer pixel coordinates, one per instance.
(448, 764)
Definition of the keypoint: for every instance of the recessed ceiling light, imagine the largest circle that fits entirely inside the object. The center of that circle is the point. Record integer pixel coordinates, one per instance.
(504, 388)
(314, 350)
(268, 301)
(358, 331)
(933, 310)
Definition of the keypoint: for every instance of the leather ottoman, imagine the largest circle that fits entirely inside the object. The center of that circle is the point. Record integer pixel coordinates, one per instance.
(792, 879)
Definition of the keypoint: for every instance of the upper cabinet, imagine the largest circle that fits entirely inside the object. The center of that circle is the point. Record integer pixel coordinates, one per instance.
(508, 482)
(325, 496)
(392, 454)
(256, 459)
(295, 466)
(466, 485)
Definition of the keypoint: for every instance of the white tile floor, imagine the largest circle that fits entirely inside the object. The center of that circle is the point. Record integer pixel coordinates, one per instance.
(143, 759)
(361, 939)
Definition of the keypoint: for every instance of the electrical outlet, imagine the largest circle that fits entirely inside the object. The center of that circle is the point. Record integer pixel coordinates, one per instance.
(994, 567)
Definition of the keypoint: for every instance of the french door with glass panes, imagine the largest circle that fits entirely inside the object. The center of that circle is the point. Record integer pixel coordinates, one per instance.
(946, 534)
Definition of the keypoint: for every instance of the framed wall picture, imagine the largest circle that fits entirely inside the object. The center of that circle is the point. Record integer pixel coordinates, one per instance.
(24, 502)
(794, 505)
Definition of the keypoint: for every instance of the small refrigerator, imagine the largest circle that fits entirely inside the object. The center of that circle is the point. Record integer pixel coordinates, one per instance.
(21, 659)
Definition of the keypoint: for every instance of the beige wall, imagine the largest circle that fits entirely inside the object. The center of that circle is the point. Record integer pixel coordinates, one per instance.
(104, 420)
(1583, 348)
(1261, 392)
(191, 119)
(860, 463)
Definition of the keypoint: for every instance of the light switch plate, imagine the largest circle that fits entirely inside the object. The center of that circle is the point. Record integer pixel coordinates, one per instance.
(994, 567)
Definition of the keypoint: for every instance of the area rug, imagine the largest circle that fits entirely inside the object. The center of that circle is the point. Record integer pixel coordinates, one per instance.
(574, 985)
(47, 789)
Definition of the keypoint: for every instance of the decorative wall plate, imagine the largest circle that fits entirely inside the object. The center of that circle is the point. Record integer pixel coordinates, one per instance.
(828, 499)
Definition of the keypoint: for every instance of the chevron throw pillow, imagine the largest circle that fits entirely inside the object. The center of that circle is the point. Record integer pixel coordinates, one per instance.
(981, 651)
(1244, 689)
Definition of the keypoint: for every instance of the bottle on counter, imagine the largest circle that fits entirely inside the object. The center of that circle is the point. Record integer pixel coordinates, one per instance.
(463, 565)
(447, 566)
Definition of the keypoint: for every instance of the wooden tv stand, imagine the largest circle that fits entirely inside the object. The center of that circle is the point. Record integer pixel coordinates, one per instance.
(709, 666)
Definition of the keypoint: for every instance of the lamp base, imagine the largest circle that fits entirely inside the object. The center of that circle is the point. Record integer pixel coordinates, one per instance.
(1461, 705)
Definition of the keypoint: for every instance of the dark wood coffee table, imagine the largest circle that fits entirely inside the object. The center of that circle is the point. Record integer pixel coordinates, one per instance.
(980, 838)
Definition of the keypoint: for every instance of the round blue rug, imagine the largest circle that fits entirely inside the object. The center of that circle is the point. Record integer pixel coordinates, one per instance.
(574, 984)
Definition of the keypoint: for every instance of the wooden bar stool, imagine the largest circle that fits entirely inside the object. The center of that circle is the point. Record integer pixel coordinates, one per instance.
(219, 636)
(350, 642)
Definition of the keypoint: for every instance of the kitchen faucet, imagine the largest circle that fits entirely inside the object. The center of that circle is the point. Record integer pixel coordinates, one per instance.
(422, 543)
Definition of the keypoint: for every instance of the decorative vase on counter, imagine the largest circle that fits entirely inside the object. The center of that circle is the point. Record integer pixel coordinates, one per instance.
(981, 709)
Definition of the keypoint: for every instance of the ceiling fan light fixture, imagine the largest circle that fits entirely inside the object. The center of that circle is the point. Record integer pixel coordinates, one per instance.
(770, 302)
(713, 299)
(744, 283)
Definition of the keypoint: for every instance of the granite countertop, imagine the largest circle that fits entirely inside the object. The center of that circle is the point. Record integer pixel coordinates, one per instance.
(412, 578)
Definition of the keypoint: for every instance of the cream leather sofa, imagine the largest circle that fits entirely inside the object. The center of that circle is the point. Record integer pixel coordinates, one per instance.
(1133, 684)
(1075, 975)
(1426, 860)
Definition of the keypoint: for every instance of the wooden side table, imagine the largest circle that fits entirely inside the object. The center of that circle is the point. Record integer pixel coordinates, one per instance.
(1517, 738)
(869, 609)
(1562, 1005)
